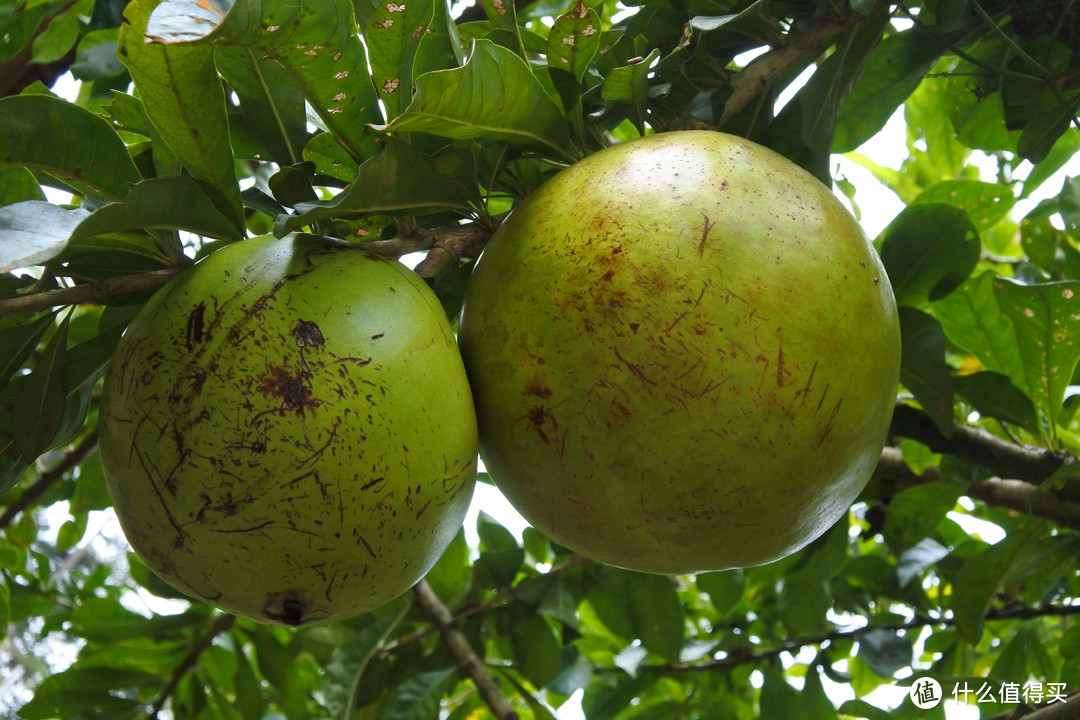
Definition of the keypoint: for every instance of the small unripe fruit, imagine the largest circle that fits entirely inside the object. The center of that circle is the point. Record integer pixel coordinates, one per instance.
(287, 430)
(684, 354)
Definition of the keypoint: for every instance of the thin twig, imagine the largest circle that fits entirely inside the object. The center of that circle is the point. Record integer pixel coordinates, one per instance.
(742, 656)
(460, 648)
(220, 625)
(497, 599)
(71, 458)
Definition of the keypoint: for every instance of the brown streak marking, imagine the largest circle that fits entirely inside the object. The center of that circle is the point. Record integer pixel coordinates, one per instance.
(632, 368)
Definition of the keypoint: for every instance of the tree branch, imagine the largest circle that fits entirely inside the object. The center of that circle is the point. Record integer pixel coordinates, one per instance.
(765, 70)
(88, 292)
(1018, 495)
(1030, 463)
(220, 625)
(460, 648)
(72, 458)
(449, 244)
(1056, 710)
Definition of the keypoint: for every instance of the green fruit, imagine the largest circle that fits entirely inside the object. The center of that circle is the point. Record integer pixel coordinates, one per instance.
(684, 355)
(287, 430)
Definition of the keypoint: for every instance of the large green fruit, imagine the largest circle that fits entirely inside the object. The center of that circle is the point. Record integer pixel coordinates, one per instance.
(287, 430)
(684, 355)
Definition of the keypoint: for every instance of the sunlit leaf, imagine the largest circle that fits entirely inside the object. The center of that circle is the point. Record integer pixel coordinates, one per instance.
(1046, 319)
(928, 251)
(494, 96)
(46, 133)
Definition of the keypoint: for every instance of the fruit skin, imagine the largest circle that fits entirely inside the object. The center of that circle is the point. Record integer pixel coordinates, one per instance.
(287, 430)
(684, 355)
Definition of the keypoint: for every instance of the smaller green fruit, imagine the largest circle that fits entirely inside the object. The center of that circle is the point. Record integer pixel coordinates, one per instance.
(287, 430)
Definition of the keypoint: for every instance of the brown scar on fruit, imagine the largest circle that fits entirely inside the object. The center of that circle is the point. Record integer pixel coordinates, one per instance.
(307, 333)
(828, 424)
(195, 326)
(704, 234)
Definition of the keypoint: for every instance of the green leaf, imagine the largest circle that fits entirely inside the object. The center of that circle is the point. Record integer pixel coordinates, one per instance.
(393, 35)
(559, 603)
(979, 578)
(34, 232)
(985, 203)
(1064, 150)
(994, 395)
(574, 40)
(46, 133)
(626, 90)
(972, 319)
(1040, 135)
(814, 703)
(537, 653)
(183, 97)
(917, 558)
(725, 589)
(345, 671)
(916, 511)
(271, 101)
(18, 184)
(884, 651)
(928, 251)
(778, 697)
(646, 607)
(494, 96)
(18, 342)
(39, 406)
(85, 692)
(1048, 336)
(923, 369)
(317, 42)
(417, 698)
(175, 203)
(863, 709)
(450, 577)
(105, 620)
(895, 68)
(397, 180)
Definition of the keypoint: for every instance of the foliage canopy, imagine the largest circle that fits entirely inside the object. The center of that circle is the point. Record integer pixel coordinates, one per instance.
(410, 128)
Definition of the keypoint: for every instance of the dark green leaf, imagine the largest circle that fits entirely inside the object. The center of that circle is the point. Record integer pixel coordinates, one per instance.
(1040, 135)
(892, 72)
(18, 184)
(928, 251)
(726, 589)
(646, 607)
(317, 42)
(778, 697)
(18, 342)
(84, 692)
(626, 90)
(399, 179)
(994, 395)
(176, 203)
(46, 133)
(916, 511)
(494, 96)
(537, 653)
(814, 704)
(981, 576)
(417, 698)
(39, 406)
(863, 709)
(271, 102)
(923, 370)
(184, 99)
(345, 671)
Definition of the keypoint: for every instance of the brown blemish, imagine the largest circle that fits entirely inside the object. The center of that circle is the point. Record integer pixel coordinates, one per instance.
(195, 326)
(292, 389)
(307, 333)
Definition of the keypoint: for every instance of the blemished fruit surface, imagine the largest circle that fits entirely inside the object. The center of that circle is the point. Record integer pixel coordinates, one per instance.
(685, 355)
(287, 430)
